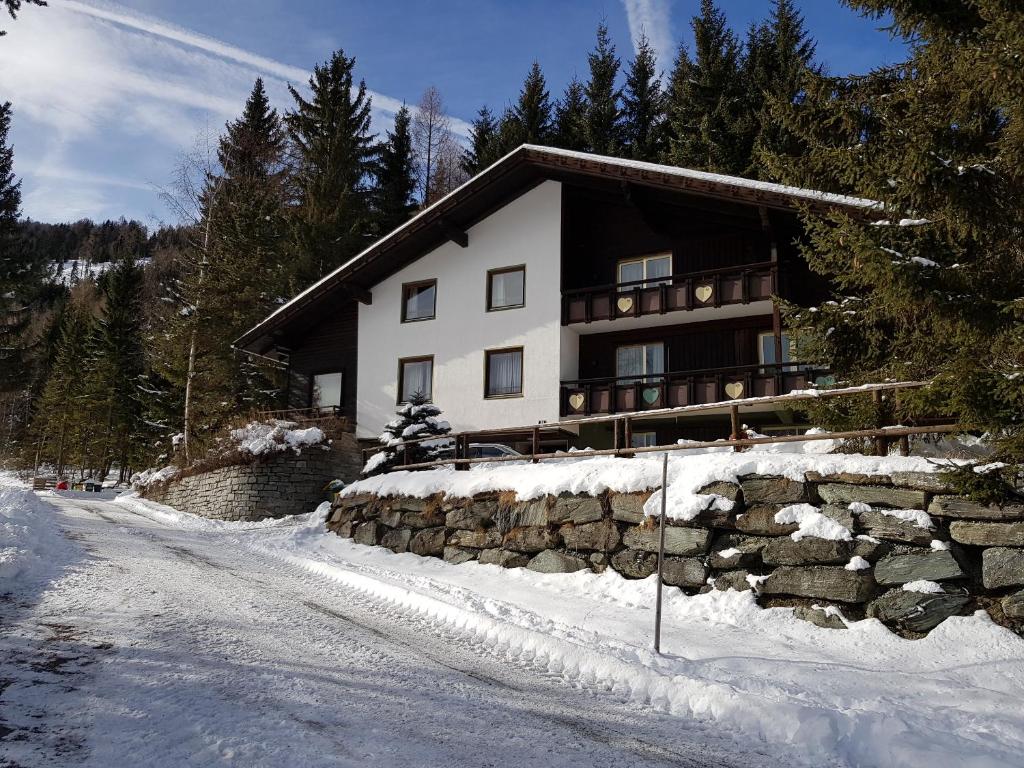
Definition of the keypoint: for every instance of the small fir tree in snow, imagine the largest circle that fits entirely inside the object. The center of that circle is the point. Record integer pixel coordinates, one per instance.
(414, 420)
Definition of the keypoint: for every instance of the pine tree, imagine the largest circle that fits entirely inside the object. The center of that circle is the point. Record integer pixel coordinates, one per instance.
(643, 105)
(396, 176)
(532, 113)
(570, 130)
(928, 284)
(604, 130)
(707, 99)
(334, 154)
(483, 143)
(416, 419)
(13, 6)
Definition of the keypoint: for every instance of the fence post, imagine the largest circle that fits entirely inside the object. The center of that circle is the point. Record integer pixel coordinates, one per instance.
(881, 444)
(661, 551)
(628, 433)
(535, 447)
(734, 418)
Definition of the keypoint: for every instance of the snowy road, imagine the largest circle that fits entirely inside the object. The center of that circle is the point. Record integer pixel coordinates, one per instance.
(170, 647)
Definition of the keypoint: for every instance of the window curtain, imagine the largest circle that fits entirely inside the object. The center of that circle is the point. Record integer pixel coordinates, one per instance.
(659, 267)
(507, 289)
(506, 374)
(629, 361)
(416, 379)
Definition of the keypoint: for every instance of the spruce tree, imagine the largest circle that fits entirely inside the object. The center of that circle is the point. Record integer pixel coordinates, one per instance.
(707, 99)
(570, 131)
(780, 55)
(244, 234)
(396, 176)
(483, 143)
(416, 419)
(643, 106)
(10, 207)
(115, 364)
(334, 157)
(532, 113)
(604, 129)
(60, 423)
(928, 282)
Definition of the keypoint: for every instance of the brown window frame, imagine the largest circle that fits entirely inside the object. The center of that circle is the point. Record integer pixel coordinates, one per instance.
(401, 376)
(504, 271)
(418, 284)
(488, 353)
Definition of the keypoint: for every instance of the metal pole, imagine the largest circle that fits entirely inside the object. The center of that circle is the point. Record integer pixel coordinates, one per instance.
(661, 552)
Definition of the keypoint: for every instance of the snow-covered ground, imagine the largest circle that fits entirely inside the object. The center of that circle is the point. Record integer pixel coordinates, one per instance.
(186, 641)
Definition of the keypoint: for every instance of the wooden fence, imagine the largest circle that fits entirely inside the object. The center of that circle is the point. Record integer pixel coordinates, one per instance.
(882, 436)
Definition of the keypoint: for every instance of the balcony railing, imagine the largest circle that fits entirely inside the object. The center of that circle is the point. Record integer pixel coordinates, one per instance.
(625, 394)
(683, 292)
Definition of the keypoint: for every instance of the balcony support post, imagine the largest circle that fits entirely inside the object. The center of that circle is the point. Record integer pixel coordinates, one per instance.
(734, 418)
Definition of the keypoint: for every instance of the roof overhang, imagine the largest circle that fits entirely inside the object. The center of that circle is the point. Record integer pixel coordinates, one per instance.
(451, 216)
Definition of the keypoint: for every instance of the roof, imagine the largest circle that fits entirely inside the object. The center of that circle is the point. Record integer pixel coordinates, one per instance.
(516, 172)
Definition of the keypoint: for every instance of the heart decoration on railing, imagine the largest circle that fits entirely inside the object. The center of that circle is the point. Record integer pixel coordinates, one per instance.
(576, 401)
(703, 293)
(624, 304)
(734, 389)
(651, 395)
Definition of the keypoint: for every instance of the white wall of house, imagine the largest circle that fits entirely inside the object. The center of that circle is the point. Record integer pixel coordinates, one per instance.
(525, 231)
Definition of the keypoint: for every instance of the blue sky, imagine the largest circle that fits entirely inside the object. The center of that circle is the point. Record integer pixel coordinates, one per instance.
(107, 96)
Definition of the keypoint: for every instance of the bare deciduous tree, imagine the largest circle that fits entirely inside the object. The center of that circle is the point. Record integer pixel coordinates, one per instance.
(437, 149)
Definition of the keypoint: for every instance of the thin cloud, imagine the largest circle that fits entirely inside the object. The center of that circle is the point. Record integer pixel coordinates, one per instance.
(106, 100)
(654, 19)
(162, 29)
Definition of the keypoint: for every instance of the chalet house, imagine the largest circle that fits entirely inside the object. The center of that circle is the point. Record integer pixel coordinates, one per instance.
(558, 284)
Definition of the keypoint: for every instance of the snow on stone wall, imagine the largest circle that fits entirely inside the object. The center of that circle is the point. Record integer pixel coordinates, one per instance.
(833, 545)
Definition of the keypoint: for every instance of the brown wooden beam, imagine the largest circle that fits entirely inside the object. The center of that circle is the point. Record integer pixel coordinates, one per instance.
(456, 234)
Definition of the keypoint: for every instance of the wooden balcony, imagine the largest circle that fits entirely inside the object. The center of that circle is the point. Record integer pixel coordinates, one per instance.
(671, 390)
(682, 292)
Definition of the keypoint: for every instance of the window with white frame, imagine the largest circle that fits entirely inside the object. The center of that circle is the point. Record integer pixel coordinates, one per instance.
(637, 362)
(645, 271)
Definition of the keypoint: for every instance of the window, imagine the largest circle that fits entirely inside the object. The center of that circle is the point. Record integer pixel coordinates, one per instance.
(326, 391)
(645, 271)
(415, 377)
(419, 301)
(506, 288)
(644, 440)
(503, 372)
(767, 349)
(639, 360)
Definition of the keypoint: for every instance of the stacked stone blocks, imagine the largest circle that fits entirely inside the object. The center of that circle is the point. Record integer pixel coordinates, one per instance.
(903, 527)
(277, 485)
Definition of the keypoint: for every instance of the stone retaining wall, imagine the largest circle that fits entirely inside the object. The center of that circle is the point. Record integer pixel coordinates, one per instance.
(975, 552)
(278, 485)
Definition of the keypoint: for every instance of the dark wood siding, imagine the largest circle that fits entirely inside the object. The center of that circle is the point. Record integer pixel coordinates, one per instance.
(689, 347)
(327, 347)
(602, 228)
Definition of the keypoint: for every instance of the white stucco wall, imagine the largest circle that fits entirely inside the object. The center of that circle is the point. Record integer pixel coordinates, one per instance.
(525, 231)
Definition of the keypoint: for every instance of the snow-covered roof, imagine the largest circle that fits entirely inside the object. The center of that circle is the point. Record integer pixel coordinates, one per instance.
(564, 161)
